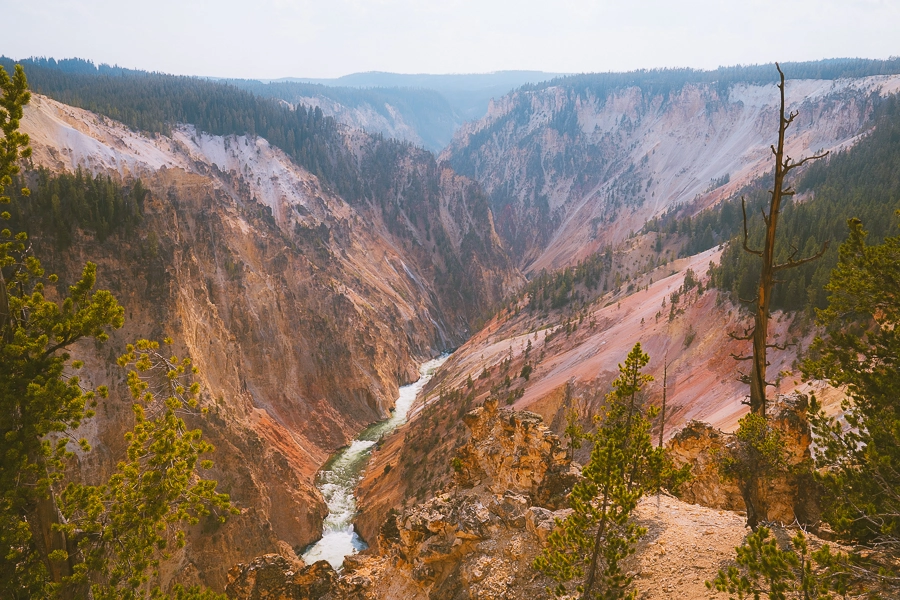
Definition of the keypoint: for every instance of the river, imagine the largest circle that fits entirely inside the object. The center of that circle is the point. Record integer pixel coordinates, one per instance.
(341, 474)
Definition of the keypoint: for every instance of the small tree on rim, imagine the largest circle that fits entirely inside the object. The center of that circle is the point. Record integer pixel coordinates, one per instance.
(624, 465)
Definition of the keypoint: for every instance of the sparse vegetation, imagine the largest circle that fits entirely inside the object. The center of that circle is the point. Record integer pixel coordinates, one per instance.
(859, 464)
(60, 537)
(765, 569)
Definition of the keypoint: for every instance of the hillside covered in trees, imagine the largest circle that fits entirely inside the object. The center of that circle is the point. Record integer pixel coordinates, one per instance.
(861, 182)
(666, 81)
(155, 103)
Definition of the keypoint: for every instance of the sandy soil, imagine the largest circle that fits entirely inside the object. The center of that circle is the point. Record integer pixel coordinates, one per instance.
(685, 546)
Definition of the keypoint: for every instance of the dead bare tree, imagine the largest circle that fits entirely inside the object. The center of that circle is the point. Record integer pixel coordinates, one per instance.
(768, 269)
(754, 470)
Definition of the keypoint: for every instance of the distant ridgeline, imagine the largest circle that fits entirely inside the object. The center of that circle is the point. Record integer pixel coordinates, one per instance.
(426, 111)
(665, 81)
(862, 181)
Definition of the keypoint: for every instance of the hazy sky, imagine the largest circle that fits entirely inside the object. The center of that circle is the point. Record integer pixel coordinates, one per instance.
(329, 38)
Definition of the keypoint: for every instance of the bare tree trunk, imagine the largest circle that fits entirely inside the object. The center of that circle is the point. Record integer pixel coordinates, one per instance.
(768, 268)
(42, 516)
(767, 271)
(591, 576)
(5, 329)
(662, 414)
(750, 494)
(750, 489)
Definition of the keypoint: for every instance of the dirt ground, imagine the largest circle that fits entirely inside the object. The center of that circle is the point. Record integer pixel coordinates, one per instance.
(685, 546)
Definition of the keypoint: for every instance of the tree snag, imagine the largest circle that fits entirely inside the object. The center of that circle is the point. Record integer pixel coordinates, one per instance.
(754, 470)
(759, 335)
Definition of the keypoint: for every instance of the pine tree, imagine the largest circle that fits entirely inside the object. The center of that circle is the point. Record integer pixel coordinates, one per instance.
(59, 540)
(123, 528)
(756, 454)
(624, 465)
(763, 569)
(860, 464)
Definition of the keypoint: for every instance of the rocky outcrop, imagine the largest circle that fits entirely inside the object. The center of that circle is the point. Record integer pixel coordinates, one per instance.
(789, 497)
(273, 577)
(476, 539)
(442, 445)
(699, 445)
(467, 544)
(513, 451)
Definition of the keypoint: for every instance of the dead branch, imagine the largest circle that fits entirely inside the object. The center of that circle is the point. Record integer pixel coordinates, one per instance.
(790, 167)
(747, 235)
(748, 335)
(791, 263)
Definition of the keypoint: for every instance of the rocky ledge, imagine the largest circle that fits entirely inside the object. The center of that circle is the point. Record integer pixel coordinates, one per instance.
(475, 540)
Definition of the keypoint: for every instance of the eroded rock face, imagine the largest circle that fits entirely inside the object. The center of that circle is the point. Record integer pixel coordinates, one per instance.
(478, 538)
(462, 544)
(573, 165)
(514, 451)
(304, 311)
(698, 445)
(789, 496)
(273, 577)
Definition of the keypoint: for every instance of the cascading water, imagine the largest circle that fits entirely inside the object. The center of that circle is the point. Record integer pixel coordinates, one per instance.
(340, 475)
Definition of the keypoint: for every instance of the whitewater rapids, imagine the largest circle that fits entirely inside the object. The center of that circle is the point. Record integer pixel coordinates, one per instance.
(341, 474)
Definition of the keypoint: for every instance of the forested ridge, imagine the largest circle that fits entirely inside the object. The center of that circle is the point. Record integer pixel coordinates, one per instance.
(665, 81)
(156, 102)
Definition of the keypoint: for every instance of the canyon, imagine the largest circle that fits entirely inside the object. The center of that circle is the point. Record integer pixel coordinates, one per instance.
(574, 166)
(268, 281)
(425, 110)
(306, 309)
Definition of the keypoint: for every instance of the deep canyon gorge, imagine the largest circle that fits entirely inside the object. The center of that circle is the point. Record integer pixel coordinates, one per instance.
(310, 291)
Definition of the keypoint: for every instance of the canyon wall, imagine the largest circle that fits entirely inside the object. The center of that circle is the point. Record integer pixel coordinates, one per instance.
(578, 164)
(304, 312)
(475, 539)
